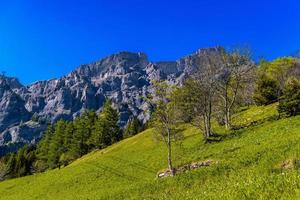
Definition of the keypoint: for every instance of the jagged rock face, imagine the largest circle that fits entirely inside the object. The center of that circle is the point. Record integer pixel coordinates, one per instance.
(124, 77)
(12, 106)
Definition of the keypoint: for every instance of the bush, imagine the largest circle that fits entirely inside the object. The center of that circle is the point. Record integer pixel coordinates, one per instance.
(289, 103)
(266, 91)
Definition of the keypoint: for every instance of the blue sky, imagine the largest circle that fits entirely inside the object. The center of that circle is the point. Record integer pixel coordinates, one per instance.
(46, 39)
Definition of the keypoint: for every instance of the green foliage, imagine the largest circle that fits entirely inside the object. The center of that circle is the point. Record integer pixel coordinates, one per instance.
(249, 157)
(56, 147)
(67, 141)
(81, 135)
(43, 148)
(289, 104)
(188, 98)
(20, 163)
(266, 91)
(272, 77)
(106, 130)
(133, 127)
(111, 117)
(166, 117)
(248, 167)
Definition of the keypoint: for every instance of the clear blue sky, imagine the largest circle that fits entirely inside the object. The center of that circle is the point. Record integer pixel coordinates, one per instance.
(46, 39)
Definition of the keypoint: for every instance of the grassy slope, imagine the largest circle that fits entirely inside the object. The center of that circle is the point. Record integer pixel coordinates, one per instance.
(248, 167)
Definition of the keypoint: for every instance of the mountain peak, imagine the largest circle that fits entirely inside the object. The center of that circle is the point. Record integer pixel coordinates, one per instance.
(11, 82)
(121, 61)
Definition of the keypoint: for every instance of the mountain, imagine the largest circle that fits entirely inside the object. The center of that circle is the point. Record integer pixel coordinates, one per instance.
(124, 77)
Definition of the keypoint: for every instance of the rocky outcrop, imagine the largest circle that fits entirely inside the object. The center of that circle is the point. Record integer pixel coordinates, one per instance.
(186, 168)
(123, 77)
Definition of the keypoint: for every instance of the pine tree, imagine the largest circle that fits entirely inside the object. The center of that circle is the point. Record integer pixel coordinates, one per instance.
(80, 138)
(106, 130)
(89, 117)
(111, 117)
(43, 149)
(99, 136)
(68, 136)
(133, 127)
(66, 157)
(11, 165)
(56, 147)
(21, 162)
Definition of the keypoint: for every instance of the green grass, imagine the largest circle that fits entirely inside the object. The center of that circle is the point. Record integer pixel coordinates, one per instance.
(255, 114)
(248, 168)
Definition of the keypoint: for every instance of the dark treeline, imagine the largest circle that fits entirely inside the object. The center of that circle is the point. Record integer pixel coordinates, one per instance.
(65, 141)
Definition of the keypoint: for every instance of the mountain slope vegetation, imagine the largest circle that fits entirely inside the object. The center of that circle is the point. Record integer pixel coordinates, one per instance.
(259, 161)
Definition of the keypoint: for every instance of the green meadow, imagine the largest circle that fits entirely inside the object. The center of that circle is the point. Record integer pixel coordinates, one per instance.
(258, 161)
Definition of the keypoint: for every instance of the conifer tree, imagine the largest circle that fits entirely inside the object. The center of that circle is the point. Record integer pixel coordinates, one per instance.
(106, 130)
(133, 127)
(43, 149)
(111, 117)
(89, 119)
(79, 140)
(66, 157)
(68, 136)
(56, 147)
(21, 162)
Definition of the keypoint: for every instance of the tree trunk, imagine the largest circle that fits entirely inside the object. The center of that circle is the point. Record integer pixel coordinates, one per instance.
(227, 118)
(209, 118)
(205, 126)
(170, 154)
(227, 109)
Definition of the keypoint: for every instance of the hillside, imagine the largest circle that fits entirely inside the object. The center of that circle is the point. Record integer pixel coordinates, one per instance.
(253, 163)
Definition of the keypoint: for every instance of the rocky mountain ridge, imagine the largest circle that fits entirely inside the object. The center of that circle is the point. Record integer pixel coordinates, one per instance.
(124, 77)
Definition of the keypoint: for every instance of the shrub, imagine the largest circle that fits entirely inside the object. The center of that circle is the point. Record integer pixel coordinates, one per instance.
(289, 103)
(266, 91)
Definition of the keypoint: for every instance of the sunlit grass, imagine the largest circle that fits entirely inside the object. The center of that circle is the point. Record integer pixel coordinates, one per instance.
(249, 167)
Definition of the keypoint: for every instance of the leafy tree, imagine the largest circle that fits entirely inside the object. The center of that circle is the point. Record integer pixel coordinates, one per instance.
(289, 104)
(272, 77)
(266, 91)
(235, 73)
(199, 93)
(196, 104)
(165, 118)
